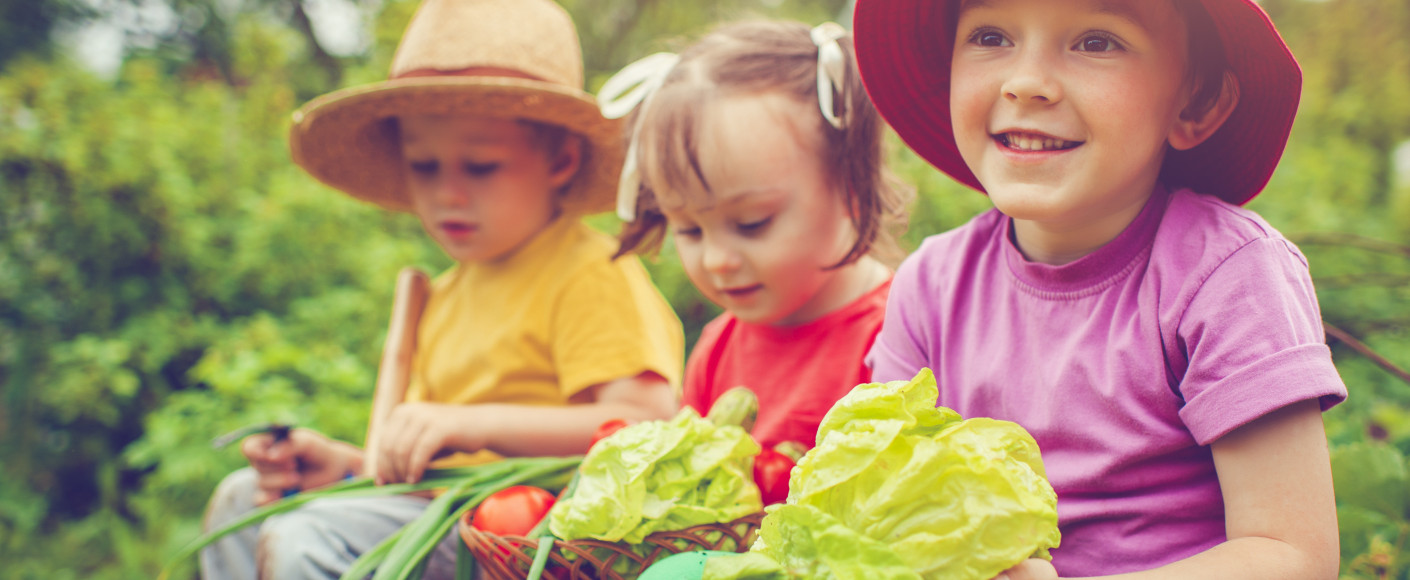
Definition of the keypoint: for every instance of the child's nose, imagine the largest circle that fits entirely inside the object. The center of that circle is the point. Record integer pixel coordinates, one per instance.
(1032, 79)
(452, 192)
(719, 256)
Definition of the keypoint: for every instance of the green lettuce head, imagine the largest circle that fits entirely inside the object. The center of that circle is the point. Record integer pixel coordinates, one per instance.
(923, 493)
(660, 475)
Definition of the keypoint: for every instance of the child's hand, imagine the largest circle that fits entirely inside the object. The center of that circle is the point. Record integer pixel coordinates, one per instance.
(416, 433)
(1030, 569)
(305, 460)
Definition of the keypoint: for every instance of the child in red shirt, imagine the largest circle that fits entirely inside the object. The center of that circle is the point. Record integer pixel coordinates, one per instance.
(760, 156)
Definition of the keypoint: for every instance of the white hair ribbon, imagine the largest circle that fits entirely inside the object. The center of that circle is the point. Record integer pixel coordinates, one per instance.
(632, 86)
(831, 67)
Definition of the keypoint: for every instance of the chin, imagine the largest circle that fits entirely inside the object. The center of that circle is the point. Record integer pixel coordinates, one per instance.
(1026, 201)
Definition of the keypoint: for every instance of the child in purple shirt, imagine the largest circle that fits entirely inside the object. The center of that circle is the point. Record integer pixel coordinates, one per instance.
(1162, 344)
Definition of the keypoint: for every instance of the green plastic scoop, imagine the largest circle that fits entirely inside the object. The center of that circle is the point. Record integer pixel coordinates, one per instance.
(682, 566)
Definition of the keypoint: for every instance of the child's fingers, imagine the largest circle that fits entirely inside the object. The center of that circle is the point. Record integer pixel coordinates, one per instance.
(265, 497)
(280, 480)
(408, 427)
(396, 444)
(265, 454)
(420, 455)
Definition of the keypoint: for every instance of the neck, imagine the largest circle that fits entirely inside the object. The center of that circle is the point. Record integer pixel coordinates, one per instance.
(851, 282)
(1062, 242)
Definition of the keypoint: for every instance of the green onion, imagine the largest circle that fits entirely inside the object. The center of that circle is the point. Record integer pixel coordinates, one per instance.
(401, 554)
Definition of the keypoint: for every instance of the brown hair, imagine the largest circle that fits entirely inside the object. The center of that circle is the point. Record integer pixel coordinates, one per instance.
(1204, 75)
(1207, 62)
(757, 57)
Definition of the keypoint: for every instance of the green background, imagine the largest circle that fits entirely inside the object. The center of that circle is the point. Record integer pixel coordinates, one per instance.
(166, 274)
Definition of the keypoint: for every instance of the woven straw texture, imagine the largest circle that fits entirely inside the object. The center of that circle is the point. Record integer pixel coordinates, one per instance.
(509, 557)
(452, 60)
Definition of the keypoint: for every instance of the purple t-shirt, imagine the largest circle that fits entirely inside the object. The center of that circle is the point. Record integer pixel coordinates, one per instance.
(1124, 365)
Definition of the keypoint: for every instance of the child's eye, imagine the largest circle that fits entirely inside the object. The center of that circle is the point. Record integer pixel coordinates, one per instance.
(988, 37)
(1097, 42)
(755, 227)
(479, 169)
(424, 168)
(687, 231)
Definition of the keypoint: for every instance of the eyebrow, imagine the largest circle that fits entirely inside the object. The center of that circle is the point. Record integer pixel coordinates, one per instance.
(1123, 10)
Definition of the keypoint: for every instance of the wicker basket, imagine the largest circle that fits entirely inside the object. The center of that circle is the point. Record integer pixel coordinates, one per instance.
(509, 557)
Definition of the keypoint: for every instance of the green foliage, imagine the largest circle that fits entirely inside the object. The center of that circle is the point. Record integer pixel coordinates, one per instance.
(166, 274)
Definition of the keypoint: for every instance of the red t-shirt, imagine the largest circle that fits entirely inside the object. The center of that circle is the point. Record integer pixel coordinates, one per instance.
(798, 372)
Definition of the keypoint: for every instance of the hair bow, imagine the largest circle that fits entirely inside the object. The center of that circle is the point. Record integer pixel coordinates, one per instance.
(632, 86)
(831, 67)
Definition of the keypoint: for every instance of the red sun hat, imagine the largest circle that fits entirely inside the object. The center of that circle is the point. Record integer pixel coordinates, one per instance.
(904, 49)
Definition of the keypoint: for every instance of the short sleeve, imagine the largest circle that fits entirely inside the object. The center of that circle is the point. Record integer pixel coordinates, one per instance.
(899, 352)
(1254, 341)
(611, 323)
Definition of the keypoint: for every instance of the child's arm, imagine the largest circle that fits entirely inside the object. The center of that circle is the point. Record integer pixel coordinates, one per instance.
(1280, 513)
(416, 433)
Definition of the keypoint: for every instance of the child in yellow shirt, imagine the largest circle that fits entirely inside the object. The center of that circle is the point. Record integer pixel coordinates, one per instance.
(534, 338)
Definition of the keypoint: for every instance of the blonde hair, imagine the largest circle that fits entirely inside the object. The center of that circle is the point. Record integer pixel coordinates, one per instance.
(760, 57)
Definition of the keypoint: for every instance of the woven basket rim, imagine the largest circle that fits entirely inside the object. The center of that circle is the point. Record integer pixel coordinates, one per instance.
(583, 559)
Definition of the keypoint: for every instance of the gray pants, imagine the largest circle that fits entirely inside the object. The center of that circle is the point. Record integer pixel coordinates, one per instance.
(319, 540)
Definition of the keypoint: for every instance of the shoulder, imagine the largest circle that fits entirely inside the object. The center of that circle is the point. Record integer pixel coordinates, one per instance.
(582, 262)
(716, 332)
(578, 247)
(1209, 229)
(975, 235)
(948, 255)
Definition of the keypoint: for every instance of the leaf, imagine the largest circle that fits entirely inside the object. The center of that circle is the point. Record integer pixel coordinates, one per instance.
(1358, 526)
(1371, 476)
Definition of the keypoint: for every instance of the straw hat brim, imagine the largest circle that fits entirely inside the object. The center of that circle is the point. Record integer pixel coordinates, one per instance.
(347, 139)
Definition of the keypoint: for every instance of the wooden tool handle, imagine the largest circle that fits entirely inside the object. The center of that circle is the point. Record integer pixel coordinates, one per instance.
(394, 374)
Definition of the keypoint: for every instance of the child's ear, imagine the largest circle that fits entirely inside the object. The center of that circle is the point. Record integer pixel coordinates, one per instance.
(1193, 128)
(566, 162)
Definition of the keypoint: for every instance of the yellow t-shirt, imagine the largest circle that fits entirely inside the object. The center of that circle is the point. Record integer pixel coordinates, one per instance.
(538, 326)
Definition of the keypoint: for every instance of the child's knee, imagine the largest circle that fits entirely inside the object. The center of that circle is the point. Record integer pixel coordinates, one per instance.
(296, 544)
(235, 495)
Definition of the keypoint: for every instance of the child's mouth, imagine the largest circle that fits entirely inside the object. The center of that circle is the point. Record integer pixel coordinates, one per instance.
(1034, 142)
(457, 230)
(742, 291)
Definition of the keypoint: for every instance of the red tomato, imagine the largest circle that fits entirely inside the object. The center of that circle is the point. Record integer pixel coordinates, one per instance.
(513, 511)
(609, 427)
(771, 470)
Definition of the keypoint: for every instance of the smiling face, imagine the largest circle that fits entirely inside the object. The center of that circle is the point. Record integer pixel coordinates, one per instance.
(1063, 110)
(760, 242)
(482, 187)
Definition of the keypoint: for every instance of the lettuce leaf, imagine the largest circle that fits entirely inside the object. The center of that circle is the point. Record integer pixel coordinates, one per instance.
(946, 498)
(660, 475)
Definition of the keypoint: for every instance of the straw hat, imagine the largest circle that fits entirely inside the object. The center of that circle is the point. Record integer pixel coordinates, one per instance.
(904, 48)
(515, 59)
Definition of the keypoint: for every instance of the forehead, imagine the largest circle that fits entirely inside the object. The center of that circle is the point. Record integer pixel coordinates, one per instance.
(742, 144)
(460, 129)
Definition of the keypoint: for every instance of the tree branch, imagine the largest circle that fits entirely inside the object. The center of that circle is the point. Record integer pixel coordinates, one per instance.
(1366, 351)
(1352, 241)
